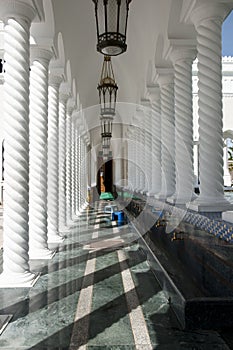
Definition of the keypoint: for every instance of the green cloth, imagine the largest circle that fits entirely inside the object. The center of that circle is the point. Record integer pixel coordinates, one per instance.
(106, 196)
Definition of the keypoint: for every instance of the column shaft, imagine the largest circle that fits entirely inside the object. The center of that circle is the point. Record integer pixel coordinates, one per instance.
(62, 162)
(38, 129)
(182, 58)
(154, 94)
(16, 271)
(167, 135)
(53, 154)
(208, 22)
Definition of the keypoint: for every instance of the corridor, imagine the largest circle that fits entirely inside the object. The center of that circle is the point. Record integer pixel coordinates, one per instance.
(98, 292)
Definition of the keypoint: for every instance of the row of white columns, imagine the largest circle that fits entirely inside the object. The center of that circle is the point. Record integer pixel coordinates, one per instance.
(44, 153)
(168, 140)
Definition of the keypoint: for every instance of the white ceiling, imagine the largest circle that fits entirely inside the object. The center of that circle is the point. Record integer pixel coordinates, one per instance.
(75, 20)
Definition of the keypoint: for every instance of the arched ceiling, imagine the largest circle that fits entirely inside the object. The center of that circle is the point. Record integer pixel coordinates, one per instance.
(154, 27)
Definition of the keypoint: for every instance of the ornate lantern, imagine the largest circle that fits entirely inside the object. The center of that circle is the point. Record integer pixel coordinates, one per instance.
(106, 126)
(106, 141)
(107, 89)
(111, 25)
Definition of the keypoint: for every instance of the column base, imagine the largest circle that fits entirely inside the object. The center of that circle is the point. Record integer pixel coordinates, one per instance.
(41, 254)
(162, 196)
(143, 192)
(228, 216)
(210, 205)
(18, 280)
(227, 180)
(55, 238)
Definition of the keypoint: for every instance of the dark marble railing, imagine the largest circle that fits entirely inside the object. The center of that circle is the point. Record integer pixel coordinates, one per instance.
(193, 261)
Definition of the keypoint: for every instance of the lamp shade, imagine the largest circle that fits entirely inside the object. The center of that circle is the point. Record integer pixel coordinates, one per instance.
(107, 89)
(111, 25)
(106, 126)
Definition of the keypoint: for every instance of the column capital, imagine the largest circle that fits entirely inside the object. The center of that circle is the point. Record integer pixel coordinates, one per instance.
(208, 11)
(79, 122)
(16, 9)
(145, 102)
(70, 109)
(75, 113)
(63, 97)
(39, 53)
(153, 92)
(164, 76)
(55, 80)
(138, 117)
(182, 50)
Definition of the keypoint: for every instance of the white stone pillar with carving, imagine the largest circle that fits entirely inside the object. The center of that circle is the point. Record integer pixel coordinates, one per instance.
(147, 146)
(38, 153)
(130, 160)
(142, 154)
(133, 160)
(17, 17)
(154, 96)
(140, 147)
(53, 154)
(80, 170)
(208, 19)
(72, 150)
(182, 57)
(86, 170)
(70, 109)
(77, 168)
(137, 159)
(74, 162)
(63, 98)
(166, 82)
(226, 172)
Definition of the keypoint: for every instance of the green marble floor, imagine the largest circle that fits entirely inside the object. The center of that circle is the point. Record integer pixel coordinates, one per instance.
(98, 292)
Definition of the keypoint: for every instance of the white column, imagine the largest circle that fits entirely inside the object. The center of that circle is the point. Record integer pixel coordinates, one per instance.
(147, 146)
(38, 130)
(16, 271)
(129, 141)
(74, 163)
(166, 83)
(53, 154)
(76, 167)
(72, 150)
(62, 161)
(182, 58)
(142, 153)
(137, 162)
(133, 160)
(154, 95)
(196, 163)
(226, 172)
(139, 120)
(86, 170)
(80, 171)
(207, 19)
(68, 165)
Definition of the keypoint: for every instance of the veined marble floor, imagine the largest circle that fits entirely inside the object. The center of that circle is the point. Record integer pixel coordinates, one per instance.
(98, 292)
